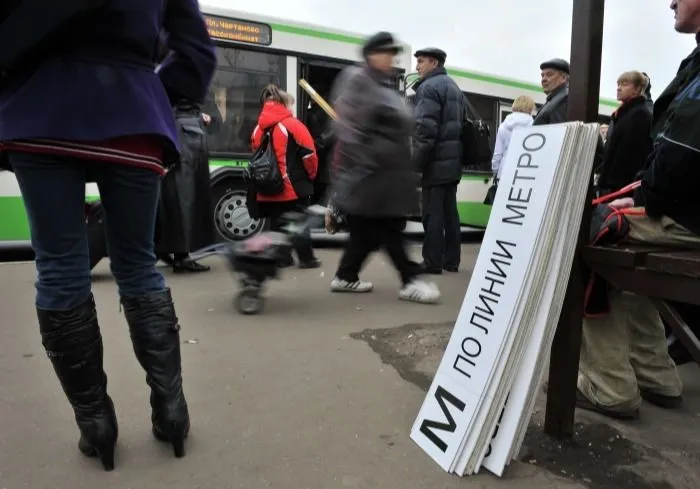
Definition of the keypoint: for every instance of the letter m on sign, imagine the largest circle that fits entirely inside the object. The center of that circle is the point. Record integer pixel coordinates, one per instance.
(428, 427)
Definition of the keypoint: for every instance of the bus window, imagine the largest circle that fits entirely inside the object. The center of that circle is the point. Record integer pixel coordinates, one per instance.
(233, 101)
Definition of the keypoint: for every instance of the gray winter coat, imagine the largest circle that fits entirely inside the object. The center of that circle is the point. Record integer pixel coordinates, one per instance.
(371, 169)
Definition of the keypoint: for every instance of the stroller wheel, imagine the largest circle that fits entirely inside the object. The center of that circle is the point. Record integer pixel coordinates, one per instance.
(249, 302)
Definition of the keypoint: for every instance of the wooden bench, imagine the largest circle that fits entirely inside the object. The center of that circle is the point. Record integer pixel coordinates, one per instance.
(665, 276)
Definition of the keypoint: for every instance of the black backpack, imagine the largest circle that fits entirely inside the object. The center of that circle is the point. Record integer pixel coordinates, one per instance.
(263, 172)
(476, 141)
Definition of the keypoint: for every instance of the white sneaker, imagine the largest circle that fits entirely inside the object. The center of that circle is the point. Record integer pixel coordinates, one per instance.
(358, 287)
(420, 292)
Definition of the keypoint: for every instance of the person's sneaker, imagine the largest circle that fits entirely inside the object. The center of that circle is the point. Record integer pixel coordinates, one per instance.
(420, 292)
(359, 286)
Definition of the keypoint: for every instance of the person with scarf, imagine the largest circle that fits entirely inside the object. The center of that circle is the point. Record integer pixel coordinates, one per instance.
(629, 145)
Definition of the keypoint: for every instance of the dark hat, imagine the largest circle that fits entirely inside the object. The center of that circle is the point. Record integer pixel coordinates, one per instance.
(556, 64)
(380, 42)
(434, 53)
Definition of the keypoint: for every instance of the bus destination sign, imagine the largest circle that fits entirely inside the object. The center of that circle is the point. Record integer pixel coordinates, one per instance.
(225, 29)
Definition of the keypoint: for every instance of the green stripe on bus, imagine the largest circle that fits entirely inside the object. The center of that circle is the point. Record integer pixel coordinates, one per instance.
(473, 214)
(349, 39)
(358, 41)
(308, 32)
(14, 226)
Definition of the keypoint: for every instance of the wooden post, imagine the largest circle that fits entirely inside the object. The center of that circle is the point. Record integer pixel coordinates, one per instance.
(584, 88)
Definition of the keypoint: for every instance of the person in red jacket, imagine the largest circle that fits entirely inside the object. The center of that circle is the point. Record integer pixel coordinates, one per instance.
(298, 163)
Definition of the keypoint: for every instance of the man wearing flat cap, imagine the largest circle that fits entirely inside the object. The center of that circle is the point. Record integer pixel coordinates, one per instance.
(440, 108)
(555, 84)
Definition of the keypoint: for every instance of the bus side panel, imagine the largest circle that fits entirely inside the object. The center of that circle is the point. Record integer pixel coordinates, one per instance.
(14, 225)
(471, 193)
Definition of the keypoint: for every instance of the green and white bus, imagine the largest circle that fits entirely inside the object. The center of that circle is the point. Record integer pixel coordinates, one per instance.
(255, 50)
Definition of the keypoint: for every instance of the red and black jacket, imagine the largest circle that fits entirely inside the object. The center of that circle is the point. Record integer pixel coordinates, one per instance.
(294, 149)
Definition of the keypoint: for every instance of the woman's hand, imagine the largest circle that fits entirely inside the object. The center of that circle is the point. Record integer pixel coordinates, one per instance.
(622, 203)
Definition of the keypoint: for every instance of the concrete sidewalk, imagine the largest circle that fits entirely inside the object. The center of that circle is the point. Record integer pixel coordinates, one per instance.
(286, 399)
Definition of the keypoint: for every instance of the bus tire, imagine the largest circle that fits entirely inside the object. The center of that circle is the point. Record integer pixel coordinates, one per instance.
(231, 219)
(97, 241)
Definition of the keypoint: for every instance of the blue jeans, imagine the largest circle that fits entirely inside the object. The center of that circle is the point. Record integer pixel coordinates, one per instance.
(53, 189)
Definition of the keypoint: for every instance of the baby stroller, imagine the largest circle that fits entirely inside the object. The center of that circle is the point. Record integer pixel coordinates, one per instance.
(259, 258)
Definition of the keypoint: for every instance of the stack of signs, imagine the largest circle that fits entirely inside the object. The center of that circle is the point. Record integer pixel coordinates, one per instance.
(479, 405)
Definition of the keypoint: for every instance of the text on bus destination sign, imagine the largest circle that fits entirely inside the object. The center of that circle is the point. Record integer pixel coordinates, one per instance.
(238, 30)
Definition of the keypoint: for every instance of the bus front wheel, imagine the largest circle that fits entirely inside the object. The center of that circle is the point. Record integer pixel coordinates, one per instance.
(231, 219)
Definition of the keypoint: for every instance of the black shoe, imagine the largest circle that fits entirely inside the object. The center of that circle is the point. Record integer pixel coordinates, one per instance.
(189, 266)
(582, 402)
(666, 402)
(155, 335)
(73, 342)
(313, 263)
(429, 269)
(166, 258)
(451, 269)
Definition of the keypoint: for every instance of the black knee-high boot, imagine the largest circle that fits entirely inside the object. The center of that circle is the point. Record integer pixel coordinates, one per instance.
(73, 342)
(155, 335)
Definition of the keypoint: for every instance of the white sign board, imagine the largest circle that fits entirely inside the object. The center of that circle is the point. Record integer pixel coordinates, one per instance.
(459, 389)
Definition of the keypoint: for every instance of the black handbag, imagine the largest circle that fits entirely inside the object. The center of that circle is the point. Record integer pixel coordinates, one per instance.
(491, 193)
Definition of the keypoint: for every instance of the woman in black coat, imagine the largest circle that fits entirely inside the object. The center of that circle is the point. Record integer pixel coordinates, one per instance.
(628, 146)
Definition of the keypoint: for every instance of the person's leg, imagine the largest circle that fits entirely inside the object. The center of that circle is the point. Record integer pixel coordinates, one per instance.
(304, 246)
(53, 190)
(274, 212)
(433, 228)
(453, 230)
(391, 234)
(607, 382)
(656, 372)
(360, 244)
(392, 238)
(130, 198)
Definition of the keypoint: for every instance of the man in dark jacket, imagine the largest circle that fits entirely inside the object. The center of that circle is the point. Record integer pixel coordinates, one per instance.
(555, 84)
(437, 152)
(624, 357)
(373, 182)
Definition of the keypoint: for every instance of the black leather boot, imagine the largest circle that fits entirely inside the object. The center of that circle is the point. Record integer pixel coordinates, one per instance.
(155, 335)
(73, 342)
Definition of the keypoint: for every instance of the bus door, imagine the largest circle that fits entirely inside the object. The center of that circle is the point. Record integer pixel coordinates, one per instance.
(320, 74)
